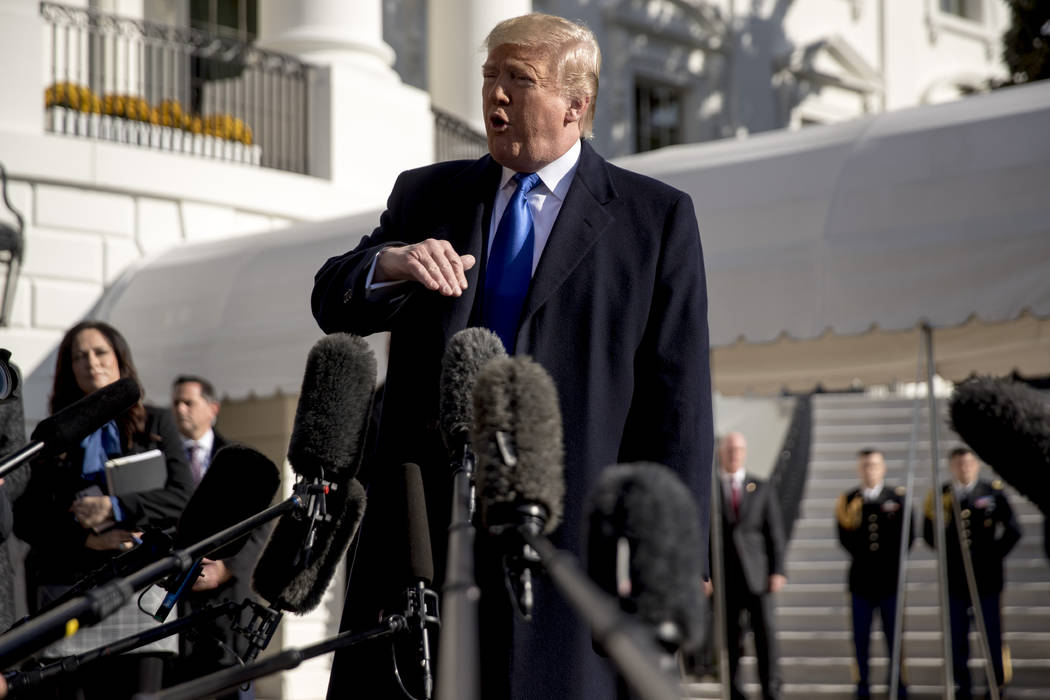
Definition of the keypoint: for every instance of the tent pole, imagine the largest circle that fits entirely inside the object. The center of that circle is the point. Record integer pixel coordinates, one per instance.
(938, 520)
(906, 538)
(718, 578)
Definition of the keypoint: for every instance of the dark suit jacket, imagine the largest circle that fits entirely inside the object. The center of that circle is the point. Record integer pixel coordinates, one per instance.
(42, 517)
(202, 654)
(616, 313)
(871, 533)
(990, 529)
(755, 540)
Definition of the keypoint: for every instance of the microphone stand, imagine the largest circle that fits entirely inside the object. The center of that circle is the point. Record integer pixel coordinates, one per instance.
(421, 612)
(625, 641)
(286, 660)
(154, 545)
(459, 673)
(19, 457)
(97, 604)
(258, 638)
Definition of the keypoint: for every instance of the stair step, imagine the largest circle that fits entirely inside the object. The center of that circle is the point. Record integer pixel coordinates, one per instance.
(1033, 594)
(1017, 570)
(1023, 645)
(927, 671)
(924, 618)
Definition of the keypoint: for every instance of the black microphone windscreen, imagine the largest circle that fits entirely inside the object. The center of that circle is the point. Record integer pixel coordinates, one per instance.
(334, 407)
(420, 556)
(65, 429)
(517, 438)
(238, 484)
(650, 508)
(299, 589)
(466, 353)
(1007, 424)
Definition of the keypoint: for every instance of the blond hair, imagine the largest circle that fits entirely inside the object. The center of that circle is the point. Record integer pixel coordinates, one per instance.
(572, 46)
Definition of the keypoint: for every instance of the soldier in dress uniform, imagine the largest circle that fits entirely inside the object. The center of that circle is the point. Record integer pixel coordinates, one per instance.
(870, 519)
(990, 531)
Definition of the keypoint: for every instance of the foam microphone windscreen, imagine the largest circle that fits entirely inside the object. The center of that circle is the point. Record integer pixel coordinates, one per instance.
(517, 439)
(420, 556)
(335, 403)
(466, 353)
(297, 588)
(238, 484)
(1007, 424)
(65, 429)
(648, 507)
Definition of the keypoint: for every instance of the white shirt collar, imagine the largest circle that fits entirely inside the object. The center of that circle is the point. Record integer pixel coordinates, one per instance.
(872, 493)
(206, 441)
(556, 176)
(734, 479)
(962, 490)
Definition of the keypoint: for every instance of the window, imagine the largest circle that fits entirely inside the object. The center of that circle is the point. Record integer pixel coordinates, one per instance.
(967, 9)
(657, 115)
(235, 20)
(229, 19)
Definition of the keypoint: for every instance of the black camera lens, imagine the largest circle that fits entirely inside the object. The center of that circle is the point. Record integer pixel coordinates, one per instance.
(8, 376)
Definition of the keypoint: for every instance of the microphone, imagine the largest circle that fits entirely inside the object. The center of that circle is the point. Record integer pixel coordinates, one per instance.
(517, 439)
(325, 451)
(641, 547)
(421, 610)
(467, 352)
(239, 483)
(1007, 424)
(521, 485)
(458, 673)
(64, 430)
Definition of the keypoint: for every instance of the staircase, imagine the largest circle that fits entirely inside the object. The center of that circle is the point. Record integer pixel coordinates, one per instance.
(813, 611)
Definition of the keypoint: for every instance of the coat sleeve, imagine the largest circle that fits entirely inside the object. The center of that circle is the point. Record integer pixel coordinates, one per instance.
(670, 419)
(776, 541)
(1011, 532)
(164, 505)
(41, 514)
(339, 300)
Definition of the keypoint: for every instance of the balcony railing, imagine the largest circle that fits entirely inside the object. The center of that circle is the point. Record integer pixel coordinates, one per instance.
(174, 88)
(455, 139)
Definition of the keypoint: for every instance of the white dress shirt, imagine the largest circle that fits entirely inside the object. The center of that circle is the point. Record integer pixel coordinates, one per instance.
(873, 493)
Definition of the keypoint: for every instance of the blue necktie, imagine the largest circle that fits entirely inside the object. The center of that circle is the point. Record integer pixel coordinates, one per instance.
(509, 268)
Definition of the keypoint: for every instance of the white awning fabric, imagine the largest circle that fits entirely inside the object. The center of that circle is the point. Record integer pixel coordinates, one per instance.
(826, 249)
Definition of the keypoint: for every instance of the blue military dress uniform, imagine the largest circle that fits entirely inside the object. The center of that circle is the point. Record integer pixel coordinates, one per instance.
(870, 530)
(990, 531)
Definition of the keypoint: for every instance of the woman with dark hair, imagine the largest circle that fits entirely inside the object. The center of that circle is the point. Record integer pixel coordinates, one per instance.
(73, 525)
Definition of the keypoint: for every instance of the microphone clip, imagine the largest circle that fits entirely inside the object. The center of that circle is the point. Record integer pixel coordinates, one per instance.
(259, 630)
(312, 497)
(508, 523)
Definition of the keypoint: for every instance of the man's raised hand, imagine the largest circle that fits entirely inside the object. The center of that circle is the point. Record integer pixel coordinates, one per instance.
(433, 263)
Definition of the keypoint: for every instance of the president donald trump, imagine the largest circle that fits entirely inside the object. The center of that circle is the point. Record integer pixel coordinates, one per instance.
(594, 271)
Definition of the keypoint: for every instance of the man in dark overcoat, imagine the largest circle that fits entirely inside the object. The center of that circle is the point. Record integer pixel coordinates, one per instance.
(613, 305)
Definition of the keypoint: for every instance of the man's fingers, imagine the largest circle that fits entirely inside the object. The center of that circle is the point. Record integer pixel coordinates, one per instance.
(434, 264)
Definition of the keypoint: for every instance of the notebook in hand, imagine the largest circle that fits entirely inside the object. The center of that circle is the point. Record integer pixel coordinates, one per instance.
(140, 472)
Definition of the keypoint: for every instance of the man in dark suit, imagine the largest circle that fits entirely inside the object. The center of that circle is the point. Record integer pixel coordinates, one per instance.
(990, 531)
(870, 519)
(594, 271)
(207, 648)
(753, 548)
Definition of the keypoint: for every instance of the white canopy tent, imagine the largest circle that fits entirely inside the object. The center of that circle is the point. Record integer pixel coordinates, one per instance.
(826, 249)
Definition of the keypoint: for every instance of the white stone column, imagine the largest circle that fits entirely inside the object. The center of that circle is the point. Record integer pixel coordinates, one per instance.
(22, 39)
(455, 32)
(366, 126)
